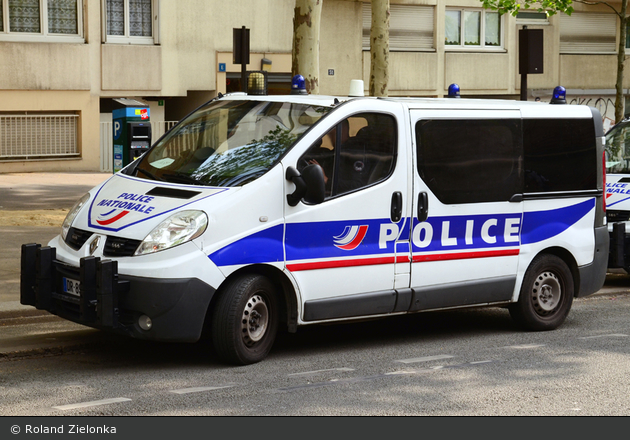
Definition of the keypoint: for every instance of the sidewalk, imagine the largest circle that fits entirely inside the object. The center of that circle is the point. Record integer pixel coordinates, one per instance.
(25, 201)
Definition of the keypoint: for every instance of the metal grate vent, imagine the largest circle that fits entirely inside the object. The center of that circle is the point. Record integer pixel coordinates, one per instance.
(36, 136)
(617, 216)
(76, 238)
(120, 247)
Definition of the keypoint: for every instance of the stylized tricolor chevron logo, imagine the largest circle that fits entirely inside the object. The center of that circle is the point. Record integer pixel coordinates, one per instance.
(351, 237)
(110, 217)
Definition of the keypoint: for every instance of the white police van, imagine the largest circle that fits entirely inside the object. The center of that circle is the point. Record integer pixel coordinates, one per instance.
(261, 213)
(618, 194)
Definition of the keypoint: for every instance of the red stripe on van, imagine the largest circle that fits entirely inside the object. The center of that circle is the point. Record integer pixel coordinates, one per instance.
(346, 263)
(465, 255)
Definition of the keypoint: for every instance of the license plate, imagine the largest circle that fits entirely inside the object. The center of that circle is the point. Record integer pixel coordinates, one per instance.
(72, 287)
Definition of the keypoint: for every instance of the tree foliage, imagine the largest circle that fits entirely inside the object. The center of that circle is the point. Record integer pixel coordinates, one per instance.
(551, 7)
(513, 7)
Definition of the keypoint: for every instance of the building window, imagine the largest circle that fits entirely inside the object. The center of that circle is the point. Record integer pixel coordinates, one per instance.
(130, 21)
(472, 29)
(593, 33)
(37, 136)
(41, 20)
(410, 27)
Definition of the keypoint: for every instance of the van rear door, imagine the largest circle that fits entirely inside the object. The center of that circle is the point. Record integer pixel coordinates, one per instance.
(467, 211)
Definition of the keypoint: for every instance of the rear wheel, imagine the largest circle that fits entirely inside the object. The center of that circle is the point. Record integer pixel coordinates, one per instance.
(245, 320)
(546, 294)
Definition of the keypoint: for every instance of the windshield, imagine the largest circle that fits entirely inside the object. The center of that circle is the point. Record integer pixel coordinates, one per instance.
(618, 148)
(228, 143)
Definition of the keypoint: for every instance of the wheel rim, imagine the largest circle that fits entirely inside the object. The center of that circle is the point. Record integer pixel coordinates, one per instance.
(255, 320)
(546, 293)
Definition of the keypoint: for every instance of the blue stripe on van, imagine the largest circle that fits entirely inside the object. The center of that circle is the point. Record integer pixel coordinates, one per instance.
(262, 247)
(542, 225)
(331, 240)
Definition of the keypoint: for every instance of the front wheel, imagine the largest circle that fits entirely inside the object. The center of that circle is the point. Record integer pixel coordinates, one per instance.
(245, 320)
(546, 294)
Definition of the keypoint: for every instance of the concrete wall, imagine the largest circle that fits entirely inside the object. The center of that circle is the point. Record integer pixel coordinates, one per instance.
(195, 36)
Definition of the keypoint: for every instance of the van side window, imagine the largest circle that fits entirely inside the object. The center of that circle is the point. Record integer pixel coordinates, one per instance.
(358, 152)
(470, 161)
(560, 155)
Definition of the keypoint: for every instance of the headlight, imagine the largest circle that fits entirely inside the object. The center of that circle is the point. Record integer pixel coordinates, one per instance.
(177, 229)
(72, 215)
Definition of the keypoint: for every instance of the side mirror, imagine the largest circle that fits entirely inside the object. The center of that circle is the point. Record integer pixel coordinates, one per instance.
(313, 175)
(310, 185)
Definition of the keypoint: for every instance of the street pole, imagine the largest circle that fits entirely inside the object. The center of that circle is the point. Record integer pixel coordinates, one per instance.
(245, 49)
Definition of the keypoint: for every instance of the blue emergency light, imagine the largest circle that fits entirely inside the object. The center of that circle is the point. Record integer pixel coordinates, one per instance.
(453, 91)
(298, 85)
(559, 96)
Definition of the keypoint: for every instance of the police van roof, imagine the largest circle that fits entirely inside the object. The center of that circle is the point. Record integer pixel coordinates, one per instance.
(529, 109)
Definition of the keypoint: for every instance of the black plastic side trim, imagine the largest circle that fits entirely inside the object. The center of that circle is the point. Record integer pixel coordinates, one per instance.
(364, 304)
(463, 294)
(597, 118)
(563, 194)
(593, 276)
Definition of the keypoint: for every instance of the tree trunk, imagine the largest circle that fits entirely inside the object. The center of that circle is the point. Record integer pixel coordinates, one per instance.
(379, 48)
(621, 56)
(305, 60)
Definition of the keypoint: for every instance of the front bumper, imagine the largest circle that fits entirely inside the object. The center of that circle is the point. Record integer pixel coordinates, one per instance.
(111, 301)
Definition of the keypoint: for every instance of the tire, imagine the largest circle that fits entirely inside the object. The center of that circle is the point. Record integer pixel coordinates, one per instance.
(546, 294)
(245, 320)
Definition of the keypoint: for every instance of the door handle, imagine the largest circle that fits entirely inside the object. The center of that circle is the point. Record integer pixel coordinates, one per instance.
(396, 208)
(423, 206)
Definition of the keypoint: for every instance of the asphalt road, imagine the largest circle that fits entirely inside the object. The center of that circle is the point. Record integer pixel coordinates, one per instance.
(457, 363)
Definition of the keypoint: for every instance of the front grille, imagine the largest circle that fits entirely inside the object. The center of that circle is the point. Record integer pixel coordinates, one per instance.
(120, 247)
(617, 216)
(76, 238)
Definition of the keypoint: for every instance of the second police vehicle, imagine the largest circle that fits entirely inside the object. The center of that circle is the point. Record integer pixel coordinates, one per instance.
(264, 213)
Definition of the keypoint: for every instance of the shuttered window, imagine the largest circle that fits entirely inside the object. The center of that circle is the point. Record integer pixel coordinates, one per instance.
(583, 32)
(410, 27)
(38, 136)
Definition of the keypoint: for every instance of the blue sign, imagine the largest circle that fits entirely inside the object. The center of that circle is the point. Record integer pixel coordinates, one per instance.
(222, 67)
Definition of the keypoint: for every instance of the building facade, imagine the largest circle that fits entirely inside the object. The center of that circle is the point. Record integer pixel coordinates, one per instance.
(64, 62)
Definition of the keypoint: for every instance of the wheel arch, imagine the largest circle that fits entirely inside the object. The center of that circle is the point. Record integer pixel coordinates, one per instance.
(568, 258)
(287, 294)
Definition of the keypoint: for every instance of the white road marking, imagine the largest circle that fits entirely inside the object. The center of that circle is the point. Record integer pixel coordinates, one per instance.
(526, 346)
(321, 371)
(613, 335)
(424, 359)
(199, 389)
(93, 403)
(378, 376)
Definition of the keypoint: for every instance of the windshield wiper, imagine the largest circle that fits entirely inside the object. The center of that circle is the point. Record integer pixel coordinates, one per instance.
(183, 178)
(148, 173)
